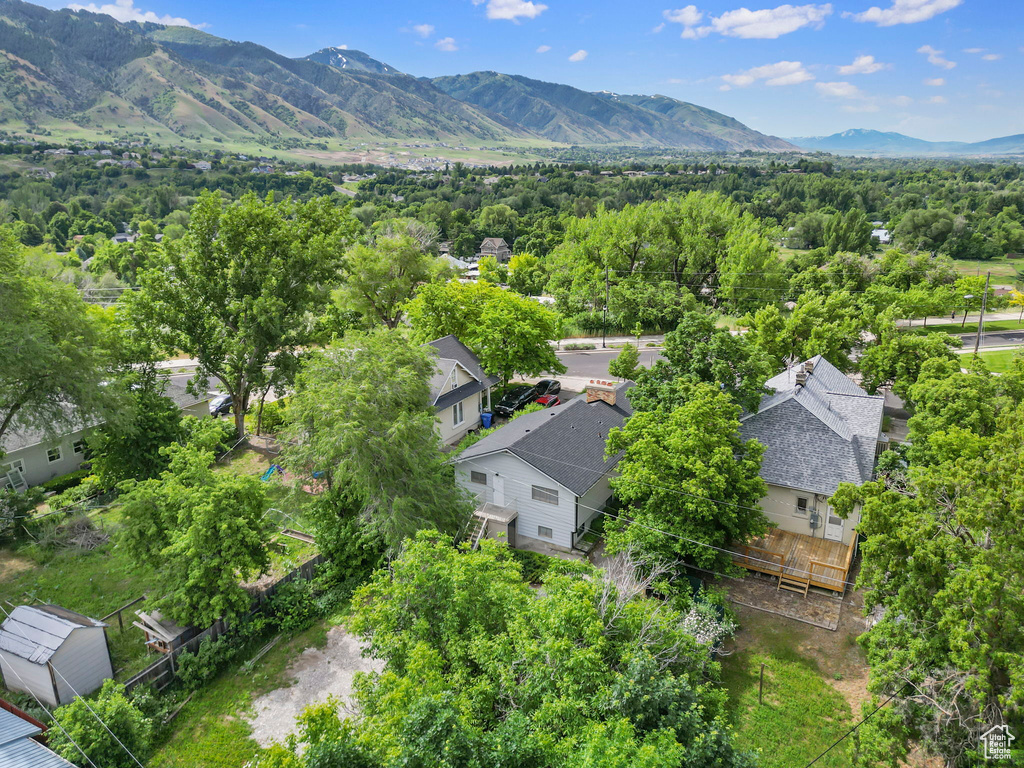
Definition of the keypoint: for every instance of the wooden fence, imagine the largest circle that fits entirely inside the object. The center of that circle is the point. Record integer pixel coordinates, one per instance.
(162, 672)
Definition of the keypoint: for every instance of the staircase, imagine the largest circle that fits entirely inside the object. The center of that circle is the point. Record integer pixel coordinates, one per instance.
(793, 583)
(477, 530)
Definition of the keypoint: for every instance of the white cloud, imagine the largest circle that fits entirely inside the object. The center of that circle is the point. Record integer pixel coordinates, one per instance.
(423, 30)
(935, 57)
(992, 56)
(779, 73)
(125, 10)
(935, 82)
(937, 100)
(862, 65)
(675, 81)
(446, 44)
(764, 24)
(866, 107)
(657, 28)
(580, 55)
(543, 48)
(902, 101)
(974, 50)
(512, 10)
(839, 90)
(904, 12)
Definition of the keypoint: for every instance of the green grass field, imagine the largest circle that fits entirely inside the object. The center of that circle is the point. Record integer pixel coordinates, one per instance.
(801, 714)
(968, 327)
(998, 360)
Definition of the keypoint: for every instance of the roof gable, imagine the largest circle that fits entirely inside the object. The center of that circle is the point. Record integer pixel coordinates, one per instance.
(36, 632)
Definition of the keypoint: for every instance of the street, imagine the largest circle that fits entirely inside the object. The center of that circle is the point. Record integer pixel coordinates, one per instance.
(994, 339)
(594, 364)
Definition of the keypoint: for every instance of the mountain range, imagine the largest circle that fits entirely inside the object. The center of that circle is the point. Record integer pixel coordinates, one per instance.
(84, 73)
(863, 141)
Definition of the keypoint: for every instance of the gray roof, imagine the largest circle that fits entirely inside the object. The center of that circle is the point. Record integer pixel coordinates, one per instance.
(566, 442)
(36, 632)
(19, 439)
(26, 753)
(451, 352)
(13, 728)
(818, 435)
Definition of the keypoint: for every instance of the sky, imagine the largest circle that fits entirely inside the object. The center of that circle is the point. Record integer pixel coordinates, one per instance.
(942, 70)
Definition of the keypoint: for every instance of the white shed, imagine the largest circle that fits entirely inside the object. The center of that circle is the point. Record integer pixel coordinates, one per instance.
(53, 653)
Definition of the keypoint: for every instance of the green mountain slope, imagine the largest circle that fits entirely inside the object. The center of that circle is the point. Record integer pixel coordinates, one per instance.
(351, 61)
(567, 114)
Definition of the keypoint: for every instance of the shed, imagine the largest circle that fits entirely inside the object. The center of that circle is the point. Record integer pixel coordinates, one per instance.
(19, 741)
(53, 653)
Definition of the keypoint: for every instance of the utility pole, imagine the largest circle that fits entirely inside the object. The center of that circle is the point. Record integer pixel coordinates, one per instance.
(981, 320)
(604, 321)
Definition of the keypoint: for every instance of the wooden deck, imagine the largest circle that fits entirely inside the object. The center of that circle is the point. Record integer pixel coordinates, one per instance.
(799, 561)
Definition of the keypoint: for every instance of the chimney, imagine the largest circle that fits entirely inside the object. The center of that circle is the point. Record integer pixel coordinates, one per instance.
(809, 367)
(801, 378)
(601, 390)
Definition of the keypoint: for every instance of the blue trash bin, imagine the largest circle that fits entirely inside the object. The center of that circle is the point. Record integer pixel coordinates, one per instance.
(485, 419)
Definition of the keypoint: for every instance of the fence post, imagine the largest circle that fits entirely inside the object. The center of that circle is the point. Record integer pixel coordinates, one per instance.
(760, 685)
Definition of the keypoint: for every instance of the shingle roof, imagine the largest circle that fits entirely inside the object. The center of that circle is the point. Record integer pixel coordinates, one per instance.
(36, 632)
(450, 351)
(817, 435)
(566, 442)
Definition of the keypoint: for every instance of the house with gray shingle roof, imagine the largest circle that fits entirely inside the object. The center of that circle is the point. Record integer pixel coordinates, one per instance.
(460, 389)
(20, 745)
(544, 476)
(819, 429)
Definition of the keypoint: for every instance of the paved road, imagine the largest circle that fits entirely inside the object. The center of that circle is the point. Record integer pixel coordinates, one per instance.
(994, 339)
(589, 365)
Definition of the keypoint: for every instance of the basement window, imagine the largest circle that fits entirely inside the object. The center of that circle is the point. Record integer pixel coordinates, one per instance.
(544, 532)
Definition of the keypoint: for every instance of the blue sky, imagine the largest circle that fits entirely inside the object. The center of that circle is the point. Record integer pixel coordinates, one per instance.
(935, 69)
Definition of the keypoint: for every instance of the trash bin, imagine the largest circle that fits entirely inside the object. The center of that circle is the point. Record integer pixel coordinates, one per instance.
(485, 419)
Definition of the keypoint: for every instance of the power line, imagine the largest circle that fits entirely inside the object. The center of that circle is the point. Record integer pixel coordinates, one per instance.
(858, 725)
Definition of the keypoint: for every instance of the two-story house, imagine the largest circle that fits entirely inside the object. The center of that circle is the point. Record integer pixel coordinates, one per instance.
(459, 389)
(496, 247)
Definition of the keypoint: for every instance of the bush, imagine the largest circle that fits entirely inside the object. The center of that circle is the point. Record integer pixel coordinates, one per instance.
(79, 726)
(534, 564)
(15, 509)
(199, 667)
(208, 434)
(273, 417)
(578, 347)
(65, 482)
(70, 497)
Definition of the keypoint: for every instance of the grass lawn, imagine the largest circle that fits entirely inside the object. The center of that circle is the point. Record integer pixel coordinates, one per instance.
(802, 714)
(997, 360)
(1001, 267)
(968, 327)
(211, 730)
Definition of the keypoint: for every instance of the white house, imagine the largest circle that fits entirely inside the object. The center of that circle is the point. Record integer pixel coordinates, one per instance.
(819, 429)
(53, 653)
(18, 745)
(30, 457)
(544, 475)
(459, 389)
(882, 235)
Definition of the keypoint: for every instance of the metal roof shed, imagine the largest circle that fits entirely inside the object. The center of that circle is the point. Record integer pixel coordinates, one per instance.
(53, 653)
(18, 747)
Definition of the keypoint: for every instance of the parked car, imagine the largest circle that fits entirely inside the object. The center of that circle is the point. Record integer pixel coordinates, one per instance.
(548, 401)
(548, 387)
(220, 405)
(514, 399)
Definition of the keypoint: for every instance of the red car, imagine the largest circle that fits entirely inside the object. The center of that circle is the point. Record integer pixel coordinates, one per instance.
(548, 401)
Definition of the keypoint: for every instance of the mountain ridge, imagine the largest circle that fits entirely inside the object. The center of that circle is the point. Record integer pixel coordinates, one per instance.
(891, 144)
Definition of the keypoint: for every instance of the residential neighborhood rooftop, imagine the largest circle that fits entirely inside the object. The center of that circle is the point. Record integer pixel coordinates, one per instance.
(451, 352)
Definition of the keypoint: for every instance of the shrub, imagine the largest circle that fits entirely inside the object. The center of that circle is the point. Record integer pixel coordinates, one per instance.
(15, 509)
(534, 564)
(208, 434)
(199, 667)
(75, 495)
(578, 347)
(273, 417)
(65, 482)
(79, 726)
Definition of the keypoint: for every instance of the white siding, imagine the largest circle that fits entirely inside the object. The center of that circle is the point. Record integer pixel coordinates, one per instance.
(22, 675)
(83, 662)
(780, 506)
(39, 469)
(519, 478)
(450, 434)
(594, 500)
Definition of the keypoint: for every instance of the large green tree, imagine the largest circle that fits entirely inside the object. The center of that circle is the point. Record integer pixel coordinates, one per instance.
(687, 480)
(362, 416)
(51, 344)
(480, 670)
(203, 530)
(238, 293)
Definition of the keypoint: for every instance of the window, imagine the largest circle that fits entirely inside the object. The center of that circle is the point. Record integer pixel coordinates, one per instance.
(78, 446)
(455, 380)
(457, 415)
(801, 505)
(54, 454)
(478, 477)
(543, 531)
(547, 495)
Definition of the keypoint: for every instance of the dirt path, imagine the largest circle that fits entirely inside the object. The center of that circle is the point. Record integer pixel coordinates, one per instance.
(317, 674)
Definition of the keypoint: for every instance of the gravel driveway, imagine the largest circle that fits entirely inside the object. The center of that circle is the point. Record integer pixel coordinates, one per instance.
(317, 673)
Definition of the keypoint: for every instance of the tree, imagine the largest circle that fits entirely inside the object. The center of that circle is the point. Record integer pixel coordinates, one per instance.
(526, 274)
(362, 415)
(513, 336)
(924, 229)
(497, 221)
(380, 279)
(944, 561)
(625, 363)
(202, 529)
(510, 333)
(54, 363)
(849, 232)
(238, 290)
(686, 473)
(699, 351)
(492, 271)
(896, 357)
(78, 728)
